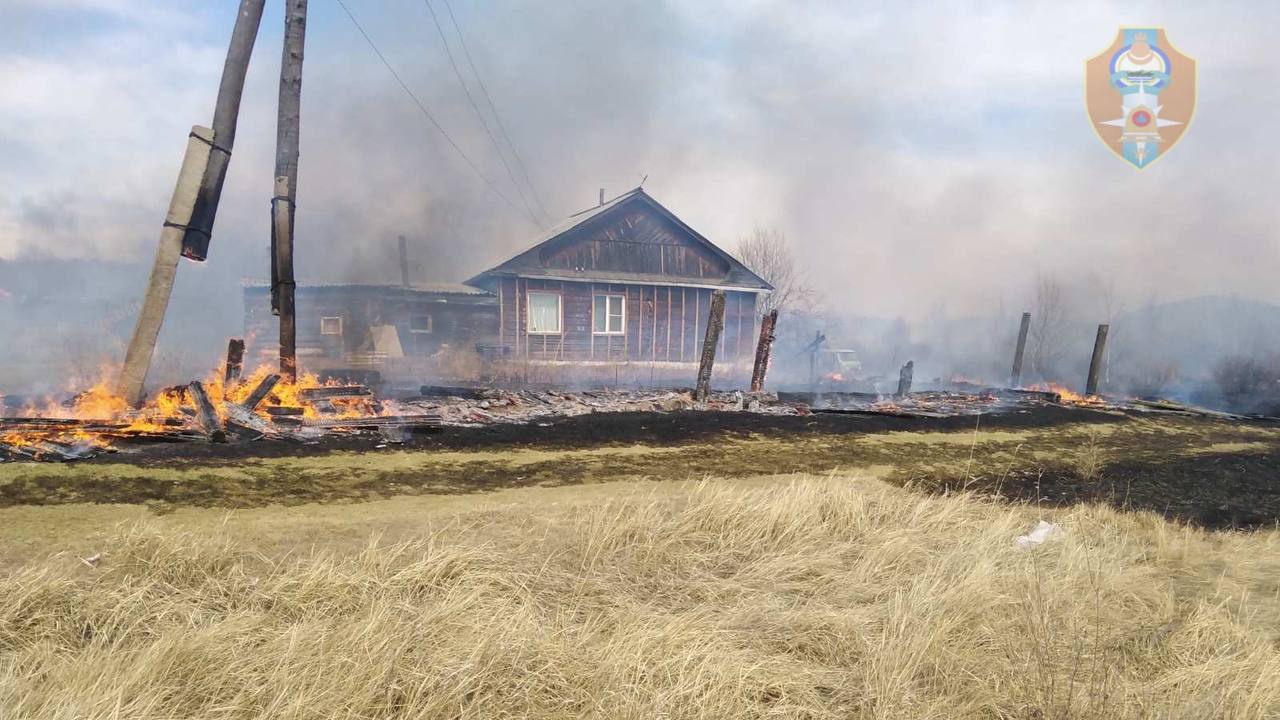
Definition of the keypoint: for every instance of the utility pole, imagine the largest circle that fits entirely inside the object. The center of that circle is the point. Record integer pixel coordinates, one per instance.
(199, 181)
(286, 184)
(195, 241)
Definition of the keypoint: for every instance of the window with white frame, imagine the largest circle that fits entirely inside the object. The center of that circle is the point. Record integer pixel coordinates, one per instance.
(544, 313)
(609, 314)
(330, 326)
(420, 324)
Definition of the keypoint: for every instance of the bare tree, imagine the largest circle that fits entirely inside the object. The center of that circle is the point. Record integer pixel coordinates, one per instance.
(1048, 315)
(768, 254)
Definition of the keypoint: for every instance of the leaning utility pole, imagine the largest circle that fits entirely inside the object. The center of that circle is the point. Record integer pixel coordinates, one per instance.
(195, 242)
(286, 185)
(208, 151)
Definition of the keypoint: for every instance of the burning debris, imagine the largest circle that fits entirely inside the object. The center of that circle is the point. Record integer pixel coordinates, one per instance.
(221, 408)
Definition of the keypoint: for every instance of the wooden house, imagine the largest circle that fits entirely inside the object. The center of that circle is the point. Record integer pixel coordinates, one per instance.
(624, 282)
(348, 325)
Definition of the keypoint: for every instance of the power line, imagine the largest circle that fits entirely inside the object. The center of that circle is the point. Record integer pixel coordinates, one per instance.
(430, 117)
(492, 140)
(501, 127)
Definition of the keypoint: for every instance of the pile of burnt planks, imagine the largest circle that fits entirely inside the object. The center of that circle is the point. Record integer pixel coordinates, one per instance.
(318, 414)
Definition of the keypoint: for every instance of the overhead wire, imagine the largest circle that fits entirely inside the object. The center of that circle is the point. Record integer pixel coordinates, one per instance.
(427, 113)
(502, 128)
(471, 99)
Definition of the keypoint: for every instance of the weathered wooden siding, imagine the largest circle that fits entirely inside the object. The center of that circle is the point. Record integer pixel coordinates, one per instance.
(456, 320)
(639, 242)
(663, 323)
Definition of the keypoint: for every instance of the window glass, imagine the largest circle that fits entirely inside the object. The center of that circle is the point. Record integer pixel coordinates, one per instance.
(607, 314)
(544, 312)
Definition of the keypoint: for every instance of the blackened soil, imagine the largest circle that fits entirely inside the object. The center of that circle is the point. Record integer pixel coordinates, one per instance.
(1216, 491)
(627, 428)
(1176, 467)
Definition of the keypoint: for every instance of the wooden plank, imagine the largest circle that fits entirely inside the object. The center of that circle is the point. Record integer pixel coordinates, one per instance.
(683, 324)
(653, 339)
(205, 414)
(668, 323)
(333, 391)
(260, 393)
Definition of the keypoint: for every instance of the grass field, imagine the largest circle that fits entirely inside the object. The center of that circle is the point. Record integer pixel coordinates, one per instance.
(732, 594)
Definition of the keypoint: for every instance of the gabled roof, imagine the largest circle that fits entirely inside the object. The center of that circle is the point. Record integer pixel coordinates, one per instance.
(527, 263)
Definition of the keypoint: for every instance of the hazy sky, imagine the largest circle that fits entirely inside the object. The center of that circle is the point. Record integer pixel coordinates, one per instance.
(912, 152)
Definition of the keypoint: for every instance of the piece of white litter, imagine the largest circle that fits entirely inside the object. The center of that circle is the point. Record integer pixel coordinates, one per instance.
(1041, 532)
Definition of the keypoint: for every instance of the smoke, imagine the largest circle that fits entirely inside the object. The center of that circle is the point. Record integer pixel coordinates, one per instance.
(927, 161)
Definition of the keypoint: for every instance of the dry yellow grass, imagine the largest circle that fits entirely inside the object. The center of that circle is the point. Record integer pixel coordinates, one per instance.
(814, 597)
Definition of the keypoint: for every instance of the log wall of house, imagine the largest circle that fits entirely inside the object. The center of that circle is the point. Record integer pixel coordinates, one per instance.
(663, 323)
(459, 321)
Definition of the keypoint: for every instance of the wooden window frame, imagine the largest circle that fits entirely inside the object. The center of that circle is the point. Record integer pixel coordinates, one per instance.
(431, 324)
(528, 312)
(327, 318)
(622, 298)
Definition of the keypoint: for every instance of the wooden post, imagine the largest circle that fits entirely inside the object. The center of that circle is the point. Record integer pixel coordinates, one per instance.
(285, 201)
(195, 241)
(1015, 380)
(715, 322)
(814, 349)
(235, 361)
(205, 414)
(404, 261)
(137, 360)
(904, 378)
(1095, 364)
(767, 325)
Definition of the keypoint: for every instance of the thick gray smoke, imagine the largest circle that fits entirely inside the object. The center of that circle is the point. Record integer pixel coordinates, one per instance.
(927, 161)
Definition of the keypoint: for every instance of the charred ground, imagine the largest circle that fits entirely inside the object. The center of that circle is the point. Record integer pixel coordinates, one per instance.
(1213, 473)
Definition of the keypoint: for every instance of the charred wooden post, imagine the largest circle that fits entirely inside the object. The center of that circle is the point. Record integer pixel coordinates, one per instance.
(1016, 378)
(813, 349)
(205, 414)
(137, 359)
(1095, 363)
(715, 323)
(904, 378)
(767, 325)
(404, 261)
(286, 189)
(195, 241)
(261, 392)
(235, 361)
